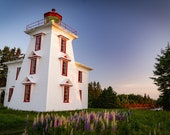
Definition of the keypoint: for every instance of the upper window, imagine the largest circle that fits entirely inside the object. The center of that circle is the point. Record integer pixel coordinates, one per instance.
(33, 66)
(66, 94)
(10, 94)
(27, 93)
(38, 43)
(80, 76)
(63, 45)
(64, 67)
(17, 72)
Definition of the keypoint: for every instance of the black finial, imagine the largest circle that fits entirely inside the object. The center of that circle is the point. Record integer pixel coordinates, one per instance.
(53, 10)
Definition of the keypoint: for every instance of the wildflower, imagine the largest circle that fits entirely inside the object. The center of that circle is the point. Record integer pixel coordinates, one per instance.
(34, 123)
(42, 119)
(87, 124)
(51, 124)
(25, 132)
(92, 116)
(96, 121)
(112, 126)
(55, 122)
(111, 117)
(103, 126)
(92, 126)
(46, 128)
(47, 117)
(60, 123)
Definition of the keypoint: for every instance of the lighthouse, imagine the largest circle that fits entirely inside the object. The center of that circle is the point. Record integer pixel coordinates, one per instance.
(48, 78)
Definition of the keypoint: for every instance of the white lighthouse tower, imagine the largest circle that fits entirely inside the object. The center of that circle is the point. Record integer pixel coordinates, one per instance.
(48, 78)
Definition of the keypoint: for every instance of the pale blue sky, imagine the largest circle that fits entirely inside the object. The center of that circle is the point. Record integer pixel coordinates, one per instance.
(118, 38)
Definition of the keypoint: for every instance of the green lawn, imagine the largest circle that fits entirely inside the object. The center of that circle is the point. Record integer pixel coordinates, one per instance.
(140, 122)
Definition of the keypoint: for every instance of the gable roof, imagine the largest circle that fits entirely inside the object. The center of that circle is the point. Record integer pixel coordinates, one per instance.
(35, 54)
(83, 66)
(66, 82)
(29, 80)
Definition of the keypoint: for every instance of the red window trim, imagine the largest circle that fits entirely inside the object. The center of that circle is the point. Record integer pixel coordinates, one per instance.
(64, 67)
(63, 45)
(33, 65)
(17, 72)
(10, 94)
(38, 39)
(80, 76)
(80, 92)
(27, 99)
(66, 91)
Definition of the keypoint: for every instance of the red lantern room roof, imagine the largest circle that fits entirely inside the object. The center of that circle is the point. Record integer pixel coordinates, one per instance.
(53, 13)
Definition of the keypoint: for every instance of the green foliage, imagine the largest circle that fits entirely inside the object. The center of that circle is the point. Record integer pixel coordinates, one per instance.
(2, 95)
(7, 54)
(162, 77)
(108, 98)
(94, 91)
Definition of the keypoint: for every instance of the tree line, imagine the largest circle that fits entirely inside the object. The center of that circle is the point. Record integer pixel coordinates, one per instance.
(108, 98)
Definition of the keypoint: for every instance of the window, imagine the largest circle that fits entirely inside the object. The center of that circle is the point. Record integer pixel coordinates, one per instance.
(17, 72)
(10, 94)
(63, 45)
(38, 43)
(66, 94)
(80, 92)
(27, 93)
(33, 66)
(80, 76)
(64, 67)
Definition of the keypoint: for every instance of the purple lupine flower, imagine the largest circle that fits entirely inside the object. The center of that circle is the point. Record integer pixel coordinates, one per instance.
(60, 122)
(87, 124)
(34, 123)
(46, 128)
(96, 121)
(92, 116)
(55, 122)
(111, 117)
(42, 119)
(118, 116)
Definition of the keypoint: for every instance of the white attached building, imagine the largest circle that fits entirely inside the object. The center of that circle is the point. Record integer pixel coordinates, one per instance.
(48, 78)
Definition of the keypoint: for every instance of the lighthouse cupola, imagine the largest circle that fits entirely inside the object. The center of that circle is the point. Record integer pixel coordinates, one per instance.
(52, 15)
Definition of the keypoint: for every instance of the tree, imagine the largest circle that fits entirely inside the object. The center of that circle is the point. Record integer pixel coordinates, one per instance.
(7, 54)
(162, 77)
(94, 91)
(108, 98)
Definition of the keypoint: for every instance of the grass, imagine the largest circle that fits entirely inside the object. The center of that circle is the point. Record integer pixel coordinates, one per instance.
(140, 122)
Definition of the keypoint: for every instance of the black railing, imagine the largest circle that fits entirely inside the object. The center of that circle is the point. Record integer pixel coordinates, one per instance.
(41, 22)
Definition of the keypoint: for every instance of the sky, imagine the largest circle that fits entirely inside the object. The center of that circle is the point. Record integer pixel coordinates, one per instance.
(119, 39)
